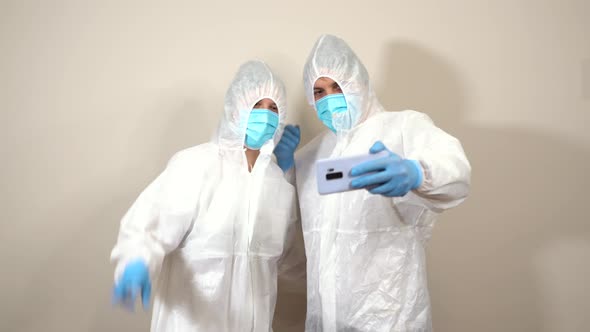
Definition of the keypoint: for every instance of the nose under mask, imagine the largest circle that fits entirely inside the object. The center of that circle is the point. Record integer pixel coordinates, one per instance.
(262, 124)
(329, 107)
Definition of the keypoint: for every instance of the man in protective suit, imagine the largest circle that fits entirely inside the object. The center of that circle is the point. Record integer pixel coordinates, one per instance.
(366, 267)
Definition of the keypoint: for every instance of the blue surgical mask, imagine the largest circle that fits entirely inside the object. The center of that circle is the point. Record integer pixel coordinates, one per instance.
(262, 124)
(329, 106)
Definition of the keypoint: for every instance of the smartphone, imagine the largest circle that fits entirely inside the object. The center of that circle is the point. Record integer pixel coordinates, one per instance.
(333, 175)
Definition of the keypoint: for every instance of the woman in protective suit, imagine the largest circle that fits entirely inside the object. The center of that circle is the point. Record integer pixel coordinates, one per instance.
(211, 229)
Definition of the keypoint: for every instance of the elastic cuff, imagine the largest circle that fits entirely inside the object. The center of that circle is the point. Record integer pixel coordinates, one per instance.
(290, 175)
(420, 171)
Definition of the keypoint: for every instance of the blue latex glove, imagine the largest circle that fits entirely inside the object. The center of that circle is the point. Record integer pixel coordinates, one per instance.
(135, 279)
(285, 149)
(390, 176)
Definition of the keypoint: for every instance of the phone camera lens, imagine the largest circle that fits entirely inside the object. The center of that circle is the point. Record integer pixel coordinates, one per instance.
(334, 176)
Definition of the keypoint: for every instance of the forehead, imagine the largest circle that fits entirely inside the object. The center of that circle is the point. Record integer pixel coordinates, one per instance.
(265, 101)
(323, 81)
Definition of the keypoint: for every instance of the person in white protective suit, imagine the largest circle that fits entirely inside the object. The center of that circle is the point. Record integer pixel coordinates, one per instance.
(365, 248)
(211, 230)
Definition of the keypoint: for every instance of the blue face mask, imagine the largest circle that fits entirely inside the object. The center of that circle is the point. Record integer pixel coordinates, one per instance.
(262, 124)
(328, 106)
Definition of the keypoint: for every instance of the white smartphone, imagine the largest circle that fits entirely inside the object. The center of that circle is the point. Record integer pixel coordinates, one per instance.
(333, 175)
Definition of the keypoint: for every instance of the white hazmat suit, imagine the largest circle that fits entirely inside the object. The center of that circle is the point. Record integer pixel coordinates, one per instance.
(365, 252)
(213, 233)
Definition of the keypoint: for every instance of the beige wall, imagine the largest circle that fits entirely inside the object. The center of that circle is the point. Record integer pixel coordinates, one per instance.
(96, 96)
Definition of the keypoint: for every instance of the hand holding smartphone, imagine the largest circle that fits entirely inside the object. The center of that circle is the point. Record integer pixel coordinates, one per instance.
(333, 175)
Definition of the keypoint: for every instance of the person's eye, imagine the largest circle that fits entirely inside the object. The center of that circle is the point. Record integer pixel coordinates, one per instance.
(337, 87)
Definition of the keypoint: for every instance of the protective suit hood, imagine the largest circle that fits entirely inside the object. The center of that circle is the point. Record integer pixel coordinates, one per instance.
(331, 57)
(253, 81)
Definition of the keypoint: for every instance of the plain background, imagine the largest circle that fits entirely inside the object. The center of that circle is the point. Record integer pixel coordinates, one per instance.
(96, 96)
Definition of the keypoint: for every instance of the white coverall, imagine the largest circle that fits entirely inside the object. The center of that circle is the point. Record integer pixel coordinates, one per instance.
(366, 266)
(211, 232)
